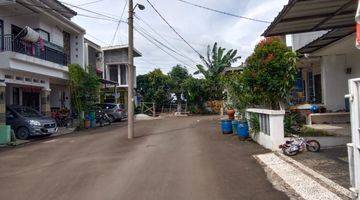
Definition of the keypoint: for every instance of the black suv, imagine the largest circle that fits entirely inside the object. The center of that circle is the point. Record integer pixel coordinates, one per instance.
(27, 122)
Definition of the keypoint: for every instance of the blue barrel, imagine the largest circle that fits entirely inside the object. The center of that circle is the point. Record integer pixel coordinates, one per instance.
(226, 126)
(243, 129)
(234, 124)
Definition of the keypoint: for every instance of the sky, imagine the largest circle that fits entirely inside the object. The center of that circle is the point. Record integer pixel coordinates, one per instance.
(197, 26)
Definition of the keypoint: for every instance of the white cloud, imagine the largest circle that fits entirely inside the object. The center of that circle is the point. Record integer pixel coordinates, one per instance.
(199, 27)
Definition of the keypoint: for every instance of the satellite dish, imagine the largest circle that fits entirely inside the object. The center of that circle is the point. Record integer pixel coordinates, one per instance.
(7, 2)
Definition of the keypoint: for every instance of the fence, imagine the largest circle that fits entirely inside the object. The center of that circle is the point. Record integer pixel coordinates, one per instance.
(270, 130)
(172, 108)
(148, 108)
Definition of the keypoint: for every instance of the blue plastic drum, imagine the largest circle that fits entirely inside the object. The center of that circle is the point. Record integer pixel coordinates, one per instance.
(226, 126)
(243, 129)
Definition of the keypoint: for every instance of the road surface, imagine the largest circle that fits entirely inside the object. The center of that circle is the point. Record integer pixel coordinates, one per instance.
(173, 158)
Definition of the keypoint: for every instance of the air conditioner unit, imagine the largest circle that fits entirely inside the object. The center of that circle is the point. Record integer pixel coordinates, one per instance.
(7, 2)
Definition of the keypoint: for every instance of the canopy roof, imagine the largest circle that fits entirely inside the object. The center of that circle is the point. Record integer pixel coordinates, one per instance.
(300, 16)
(326, 39)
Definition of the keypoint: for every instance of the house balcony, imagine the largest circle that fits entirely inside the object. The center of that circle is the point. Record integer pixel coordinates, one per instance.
(50, 52)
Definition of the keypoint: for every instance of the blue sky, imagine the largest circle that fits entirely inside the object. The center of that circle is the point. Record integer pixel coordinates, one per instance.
(199, 27)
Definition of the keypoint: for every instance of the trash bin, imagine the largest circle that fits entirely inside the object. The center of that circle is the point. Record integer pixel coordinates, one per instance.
(226, 126)
(92, 119)
(5, 134)
(243, 129)
(87, 122)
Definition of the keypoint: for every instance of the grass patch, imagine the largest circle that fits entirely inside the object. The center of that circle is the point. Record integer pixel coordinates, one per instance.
(310, 132)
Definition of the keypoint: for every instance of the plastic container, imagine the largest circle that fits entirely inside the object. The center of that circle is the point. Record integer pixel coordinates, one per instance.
(234, 124)
(243, 129)
(5, 134)
(226, 126)
(87, 122)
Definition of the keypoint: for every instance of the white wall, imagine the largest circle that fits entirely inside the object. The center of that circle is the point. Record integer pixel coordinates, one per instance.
(77, 50)
(334, 61)
(55, 96)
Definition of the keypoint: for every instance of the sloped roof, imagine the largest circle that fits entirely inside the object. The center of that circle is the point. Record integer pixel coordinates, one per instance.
(300, 16)
(326, 39)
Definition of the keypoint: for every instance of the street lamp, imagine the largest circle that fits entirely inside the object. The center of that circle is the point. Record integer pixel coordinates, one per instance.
(131, 68)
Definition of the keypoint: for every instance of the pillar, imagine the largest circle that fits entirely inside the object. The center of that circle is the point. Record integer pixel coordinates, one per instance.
(45, 102)
(2, 104)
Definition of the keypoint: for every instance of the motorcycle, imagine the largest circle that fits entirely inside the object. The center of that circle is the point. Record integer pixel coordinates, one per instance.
(298, 144)
(102, 118)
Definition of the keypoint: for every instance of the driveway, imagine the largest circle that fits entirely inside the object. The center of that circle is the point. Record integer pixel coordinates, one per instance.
(173, 158)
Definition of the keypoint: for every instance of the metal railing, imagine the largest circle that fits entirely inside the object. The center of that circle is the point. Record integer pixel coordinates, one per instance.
(34, 50)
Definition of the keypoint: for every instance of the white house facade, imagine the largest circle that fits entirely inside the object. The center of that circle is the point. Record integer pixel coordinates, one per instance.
(37, 42)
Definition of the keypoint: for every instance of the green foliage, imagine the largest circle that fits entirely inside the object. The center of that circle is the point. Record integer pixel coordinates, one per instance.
(84, 87)
(196, 92)
(310, 132)
(214, 64)
(293, 122)
(154, 87)
(270, 73)
(178, 75)
(254, 123)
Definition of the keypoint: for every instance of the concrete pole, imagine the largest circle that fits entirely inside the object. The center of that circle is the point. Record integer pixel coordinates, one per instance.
(131, 72)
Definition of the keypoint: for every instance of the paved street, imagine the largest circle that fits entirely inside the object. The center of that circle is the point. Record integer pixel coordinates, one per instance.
(174, 158)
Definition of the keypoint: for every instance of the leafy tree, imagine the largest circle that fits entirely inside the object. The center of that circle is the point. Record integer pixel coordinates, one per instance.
(178, 75)
(217, 59)
(270, 73)
(154, 87)
(195, 92)
(84, 88)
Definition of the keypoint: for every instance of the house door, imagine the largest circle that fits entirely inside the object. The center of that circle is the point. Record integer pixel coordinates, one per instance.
(317, 88)
(31, 99)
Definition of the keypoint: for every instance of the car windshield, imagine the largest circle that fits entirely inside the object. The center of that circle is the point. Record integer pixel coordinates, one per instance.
(107, 106)
(27, 112)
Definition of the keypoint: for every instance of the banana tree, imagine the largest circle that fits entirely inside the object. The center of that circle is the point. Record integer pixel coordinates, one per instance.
(216, 61)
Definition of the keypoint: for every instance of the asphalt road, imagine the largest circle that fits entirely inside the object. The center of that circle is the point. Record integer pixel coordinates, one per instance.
(174, 158)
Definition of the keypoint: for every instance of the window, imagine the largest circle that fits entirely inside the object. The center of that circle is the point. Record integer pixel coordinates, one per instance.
(113, 70)
(123, 75)
(1, 35)
(43, 34)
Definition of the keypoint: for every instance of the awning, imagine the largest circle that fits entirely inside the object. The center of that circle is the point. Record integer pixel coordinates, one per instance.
(300, 16)
(326, 39)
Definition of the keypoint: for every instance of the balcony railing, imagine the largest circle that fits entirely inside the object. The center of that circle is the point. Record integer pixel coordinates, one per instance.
(34, 50)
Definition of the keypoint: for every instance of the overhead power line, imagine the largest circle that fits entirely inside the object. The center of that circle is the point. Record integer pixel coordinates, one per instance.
(223, 12)
(162, 44)
(118, 24)
(91, 2)
(174, 29)
(158, 46)
(163, 38)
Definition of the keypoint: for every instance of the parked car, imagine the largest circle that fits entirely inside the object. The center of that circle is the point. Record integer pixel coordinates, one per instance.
(115, 111)
(28, 122)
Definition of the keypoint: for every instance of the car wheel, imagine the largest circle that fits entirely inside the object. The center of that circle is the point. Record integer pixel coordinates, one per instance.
(23, 133)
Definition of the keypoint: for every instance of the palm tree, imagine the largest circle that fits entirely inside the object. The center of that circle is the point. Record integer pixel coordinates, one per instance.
(216, 61)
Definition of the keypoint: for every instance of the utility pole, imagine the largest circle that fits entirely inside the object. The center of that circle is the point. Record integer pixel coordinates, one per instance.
(131, 72)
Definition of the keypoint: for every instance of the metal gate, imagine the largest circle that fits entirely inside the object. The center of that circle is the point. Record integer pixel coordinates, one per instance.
(354, 146)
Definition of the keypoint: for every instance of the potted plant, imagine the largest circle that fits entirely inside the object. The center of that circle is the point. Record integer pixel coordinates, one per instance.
(230, 111)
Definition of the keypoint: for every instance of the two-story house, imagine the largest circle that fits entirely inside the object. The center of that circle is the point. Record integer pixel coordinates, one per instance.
(116, 73)
(37, 42)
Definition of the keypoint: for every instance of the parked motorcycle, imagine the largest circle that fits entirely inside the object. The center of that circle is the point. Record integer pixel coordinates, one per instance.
(298, 144)
(102, 118)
